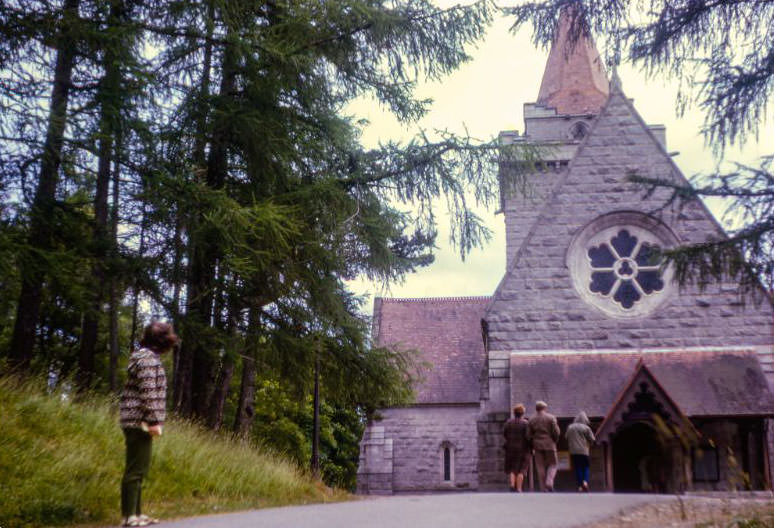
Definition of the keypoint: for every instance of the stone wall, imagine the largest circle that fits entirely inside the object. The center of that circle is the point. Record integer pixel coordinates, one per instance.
(403, 451)
(491, 475)
(374, 472)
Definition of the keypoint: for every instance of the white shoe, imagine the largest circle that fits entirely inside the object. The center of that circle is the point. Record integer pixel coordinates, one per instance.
(136, 520)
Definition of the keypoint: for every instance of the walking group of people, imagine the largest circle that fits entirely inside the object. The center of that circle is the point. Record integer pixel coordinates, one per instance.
(538, 437)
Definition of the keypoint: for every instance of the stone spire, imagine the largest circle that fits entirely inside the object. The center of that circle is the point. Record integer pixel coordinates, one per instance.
(575, 81)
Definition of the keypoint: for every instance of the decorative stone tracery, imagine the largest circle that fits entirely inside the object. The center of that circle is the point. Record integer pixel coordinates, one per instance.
(625, 269)
(616, 265)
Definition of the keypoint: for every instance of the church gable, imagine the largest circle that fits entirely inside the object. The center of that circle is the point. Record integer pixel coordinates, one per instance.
(584, 278)
(643, 399)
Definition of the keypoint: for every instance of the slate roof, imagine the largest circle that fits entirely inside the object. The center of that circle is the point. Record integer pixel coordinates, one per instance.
(702, 383)
(447, 333)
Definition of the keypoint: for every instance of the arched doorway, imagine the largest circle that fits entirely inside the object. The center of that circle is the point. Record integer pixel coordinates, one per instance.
(640, 461)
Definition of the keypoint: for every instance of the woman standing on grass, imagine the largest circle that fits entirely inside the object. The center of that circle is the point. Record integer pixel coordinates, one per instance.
(142, 415)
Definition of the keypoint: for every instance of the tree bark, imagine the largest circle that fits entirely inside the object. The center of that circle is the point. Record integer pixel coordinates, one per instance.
(177, 286)
(245, 407)
(316, 417)
(115, 301)
(40, 237)
(218, 400)
(136, 292)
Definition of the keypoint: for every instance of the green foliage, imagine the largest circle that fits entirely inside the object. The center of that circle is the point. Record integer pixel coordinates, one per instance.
(10, 240)
(283, 424)
(61, 463)
(745, 254)
(281, 421)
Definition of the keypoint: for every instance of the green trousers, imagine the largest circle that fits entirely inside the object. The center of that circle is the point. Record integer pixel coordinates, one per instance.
(138, 457)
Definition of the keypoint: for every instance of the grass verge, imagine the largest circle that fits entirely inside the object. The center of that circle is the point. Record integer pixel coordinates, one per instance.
(695, 512)
(61, 464)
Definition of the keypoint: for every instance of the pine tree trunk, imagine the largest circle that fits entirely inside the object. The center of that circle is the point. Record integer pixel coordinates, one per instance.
(197, 342)
(115, 301)
(136, 288)
(200, 142)
(108, 97)
(218, 400)
(184, 360)
(90, 328)
(245, 410)
(177, 286)
(40, 237)
(315, 464)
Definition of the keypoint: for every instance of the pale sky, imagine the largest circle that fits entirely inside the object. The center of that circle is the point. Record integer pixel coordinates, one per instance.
(486, 96)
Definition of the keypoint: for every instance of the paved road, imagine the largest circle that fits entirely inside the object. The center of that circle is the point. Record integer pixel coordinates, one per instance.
(456, 510)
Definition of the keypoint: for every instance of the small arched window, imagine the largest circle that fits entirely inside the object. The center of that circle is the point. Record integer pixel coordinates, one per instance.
(446, 457)
(579, 130)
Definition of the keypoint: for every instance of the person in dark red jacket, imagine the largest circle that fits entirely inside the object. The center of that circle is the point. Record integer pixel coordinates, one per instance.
(517, 448)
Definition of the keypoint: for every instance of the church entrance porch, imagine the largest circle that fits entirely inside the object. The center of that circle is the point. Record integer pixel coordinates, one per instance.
(665, 421)
(641, 461)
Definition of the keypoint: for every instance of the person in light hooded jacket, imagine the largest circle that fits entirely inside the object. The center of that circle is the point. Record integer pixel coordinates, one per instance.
(580, 438)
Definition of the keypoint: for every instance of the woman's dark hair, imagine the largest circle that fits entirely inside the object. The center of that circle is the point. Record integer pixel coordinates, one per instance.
(159, 337)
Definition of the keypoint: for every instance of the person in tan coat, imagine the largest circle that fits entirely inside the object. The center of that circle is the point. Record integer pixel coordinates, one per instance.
(543, 433)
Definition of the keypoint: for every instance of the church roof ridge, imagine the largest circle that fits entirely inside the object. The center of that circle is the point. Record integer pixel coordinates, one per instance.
(642, 353)
(481, 298)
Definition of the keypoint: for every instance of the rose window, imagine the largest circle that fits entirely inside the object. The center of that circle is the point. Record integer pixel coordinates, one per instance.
(625, 268)
(616, 265)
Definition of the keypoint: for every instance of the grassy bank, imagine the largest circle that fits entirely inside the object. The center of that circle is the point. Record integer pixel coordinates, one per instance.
(61, 463)
(696, 512)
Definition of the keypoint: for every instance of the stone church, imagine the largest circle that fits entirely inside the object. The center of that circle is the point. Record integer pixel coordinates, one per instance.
(676, 380)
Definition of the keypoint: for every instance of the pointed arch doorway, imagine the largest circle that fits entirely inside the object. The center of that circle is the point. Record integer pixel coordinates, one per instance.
(641, 461)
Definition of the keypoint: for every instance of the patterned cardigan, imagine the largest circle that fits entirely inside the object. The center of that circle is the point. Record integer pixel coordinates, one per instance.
(145, 393)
